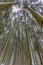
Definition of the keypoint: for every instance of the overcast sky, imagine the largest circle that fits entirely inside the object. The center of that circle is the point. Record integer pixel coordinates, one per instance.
(41, 0)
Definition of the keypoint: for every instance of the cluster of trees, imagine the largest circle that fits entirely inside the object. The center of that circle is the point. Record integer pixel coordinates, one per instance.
(24, 35)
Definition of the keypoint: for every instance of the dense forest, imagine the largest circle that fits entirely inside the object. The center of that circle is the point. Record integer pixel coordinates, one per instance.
(21, 32)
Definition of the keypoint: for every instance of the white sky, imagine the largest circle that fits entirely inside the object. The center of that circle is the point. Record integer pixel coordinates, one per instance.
(15, 9)
(41, 0)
